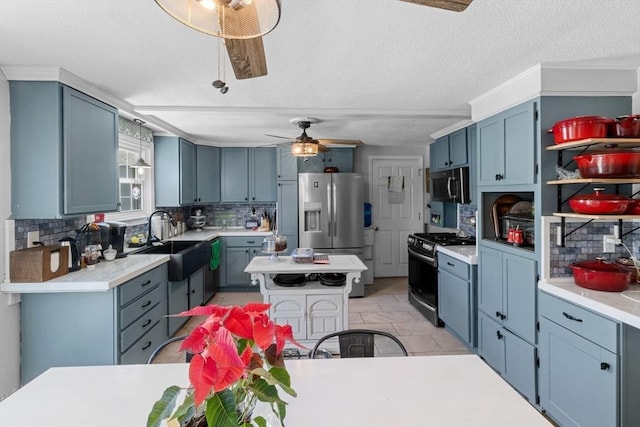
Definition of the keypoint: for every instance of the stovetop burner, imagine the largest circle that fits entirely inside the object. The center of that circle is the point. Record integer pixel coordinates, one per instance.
(445, 239)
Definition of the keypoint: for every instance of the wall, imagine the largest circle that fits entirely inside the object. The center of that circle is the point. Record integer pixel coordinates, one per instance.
(9, 314)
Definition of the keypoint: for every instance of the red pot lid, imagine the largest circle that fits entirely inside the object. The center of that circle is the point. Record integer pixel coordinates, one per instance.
(599, 195)
(600, 265)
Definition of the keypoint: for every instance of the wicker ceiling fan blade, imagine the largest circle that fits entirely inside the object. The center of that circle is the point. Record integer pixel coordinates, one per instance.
(282, 137)
(355, 142)
(247, 57)
(454, 5)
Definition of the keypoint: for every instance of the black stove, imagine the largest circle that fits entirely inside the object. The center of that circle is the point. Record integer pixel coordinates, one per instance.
(423, 269)
(426, 243)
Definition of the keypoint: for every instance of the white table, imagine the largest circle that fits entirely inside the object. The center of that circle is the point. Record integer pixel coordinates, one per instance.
(398, 391)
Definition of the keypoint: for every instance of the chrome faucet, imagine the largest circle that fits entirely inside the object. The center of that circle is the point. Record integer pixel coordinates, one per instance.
(173, 222)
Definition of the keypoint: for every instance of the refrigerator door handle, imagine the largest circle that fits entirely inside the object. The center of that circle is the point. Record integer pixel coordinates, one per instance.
(329, 209)
(334, 213)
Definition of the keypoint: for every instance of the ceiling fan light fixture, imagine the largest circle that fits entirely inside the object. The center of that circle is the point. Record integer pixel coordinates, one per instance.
(304, 149)
(235, 19)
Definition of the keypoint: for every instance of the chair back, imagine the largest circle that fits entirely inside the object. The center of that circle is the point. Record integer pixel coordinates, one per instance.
(164, 344)
(361, 343)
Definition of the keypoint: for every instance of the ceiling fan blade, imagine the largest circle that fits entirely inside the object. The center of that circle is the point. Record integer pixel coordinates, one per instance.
(278, 136)
(322, 148)
(247, 57)
(355, 142)
(455, 5)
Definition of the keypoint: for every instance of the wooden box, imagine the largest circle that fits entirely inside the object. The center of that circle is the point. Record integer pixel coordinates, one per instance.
(39, 264)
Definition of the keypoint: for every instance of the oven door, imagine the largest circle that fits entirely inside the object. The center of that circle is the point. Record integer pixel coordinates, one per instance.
(423, 277)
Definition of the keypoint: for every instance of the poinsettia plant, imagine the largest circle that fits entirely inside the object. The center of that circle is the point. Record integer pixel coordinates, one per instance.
(236, 361)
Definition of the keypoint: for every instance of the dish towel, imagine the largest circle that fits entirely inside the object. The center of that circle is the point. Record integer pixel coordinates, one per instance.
(215, 255)
(395, 185)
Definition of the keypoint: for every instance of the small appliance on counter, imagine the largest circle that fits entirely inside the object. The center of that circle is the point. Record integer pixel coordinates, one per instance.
(112, 235)
(252, 221)
(198, 219)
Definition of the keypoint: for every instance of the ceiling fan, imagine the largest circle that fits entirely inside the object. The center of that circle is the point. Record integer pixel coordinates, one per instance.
(304, 145)
(454, 5)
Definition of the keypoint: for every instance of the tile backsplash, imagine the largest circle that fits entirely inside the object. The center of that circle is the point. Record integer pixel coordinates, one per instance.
(585, 242)
(467, 219)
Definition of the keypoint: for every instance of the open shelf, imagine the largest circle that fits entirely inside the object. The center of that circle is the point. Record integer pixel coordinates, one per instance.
(596, 143)
(595, 181)
(602, 217)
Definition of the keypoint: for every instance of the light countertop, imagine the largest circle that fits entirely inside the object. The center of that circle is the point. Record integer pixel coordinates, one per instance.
(285, 264)
(616, 305)
(210, 233)
(453, 390)
(466, 253)
(104, 276)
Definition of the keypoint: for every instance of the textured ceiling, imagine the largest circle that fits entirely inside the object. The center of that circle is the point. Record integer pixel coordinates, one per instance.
(384, 71)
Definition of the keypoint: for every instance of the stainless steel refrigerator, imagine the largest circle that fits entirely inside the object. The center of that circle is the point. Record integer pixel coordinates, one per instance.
(331, 215)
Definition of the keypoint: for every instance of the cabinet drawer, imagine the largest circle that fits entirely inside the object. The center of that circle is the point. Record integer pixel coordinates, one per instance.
(131, 334)
(142, 349)
(452, 265)
(583, 322)
(141, 284)
(140, 306)
(244, 241)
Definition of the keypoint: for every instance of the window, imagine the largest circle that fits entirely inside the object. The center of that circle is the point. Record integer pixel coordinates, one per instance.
(135, 185)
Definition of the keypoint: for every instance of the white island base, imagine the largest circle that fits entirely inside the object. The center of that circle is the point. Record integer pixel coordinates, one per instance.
(313, 310)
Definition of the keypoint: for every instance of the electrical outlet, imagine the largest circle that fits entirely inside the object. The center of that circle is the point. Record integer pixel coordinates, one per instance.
(616, 231)
(609, 243)
(32, 236)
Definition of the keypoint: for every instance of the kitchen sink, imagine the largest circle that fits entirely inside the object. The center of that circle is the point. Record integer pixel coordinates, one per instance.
(185, 257)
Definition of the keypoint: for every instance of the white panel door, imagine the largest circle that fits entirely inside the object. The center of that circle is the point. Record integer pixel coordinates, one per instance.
(394, 215)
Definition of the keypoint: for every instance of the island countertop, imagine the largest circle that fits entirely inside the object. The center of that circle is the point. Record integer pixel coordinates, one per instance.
(285, 264)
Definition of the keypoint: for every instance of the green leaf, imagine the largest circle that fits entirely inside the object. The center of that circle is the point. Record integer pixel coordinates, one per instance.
(221, 409)
(186, 411)
(277, 376)
(264, 391)
(163, 407)
(260, 421)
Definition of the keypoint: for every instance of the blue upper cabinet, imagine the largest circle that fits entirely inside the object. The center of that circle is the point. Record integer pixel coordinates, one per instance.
(64, 148)
(175, 171)
(449, 151)
(286, 164)
(208, 174)
(507, 147)
(341, 158)
(248, 175)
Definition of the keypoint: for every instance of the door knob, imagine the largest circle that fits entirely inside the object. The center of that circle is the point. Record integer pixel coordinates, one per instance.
(375, 228)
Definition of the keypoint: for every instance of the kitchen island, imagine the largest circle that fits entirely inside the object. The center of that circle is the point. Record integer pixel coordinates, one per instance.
(313, 310)
(456, 390)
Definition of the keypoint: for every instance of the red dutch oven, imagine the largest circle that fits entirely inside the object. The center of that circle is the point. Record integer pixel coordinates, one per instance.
(609, 164)
(634, 207)
(626, 126)
(580, 127)
(600, 275)
(599, 203)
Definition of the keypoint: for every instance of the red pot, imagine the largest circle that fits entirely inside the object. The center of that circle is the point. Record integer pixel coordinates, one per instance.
(609, 164)
(600, 275)
(634, 207)
(599, 203)
(580, 127)
(626, 126)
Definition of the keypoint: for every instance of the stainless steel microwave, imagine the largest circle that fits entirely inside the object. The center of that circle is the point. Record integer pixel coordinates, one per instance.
(451, 185)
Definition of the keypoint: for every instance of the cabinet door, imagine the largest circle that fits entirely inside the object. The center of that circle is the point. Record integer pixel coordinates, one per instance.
(236, 260)
(519, 289)
(208, 174)
(341, 158)
(234, 178)
(324, 314)
(578, 385)
(288, 212)
(90, 150)
(187, 172)
(196, 288)
(454, 304)
(490, 151)
(439, 153)
(490, 282)
(490, 342)
(519, 144)
(289, 310)
(458, 148)
(314, 164)
(262, 172)
(443, 214)
(178, 297)
(520, 365)
(473, 163)
(286, 164)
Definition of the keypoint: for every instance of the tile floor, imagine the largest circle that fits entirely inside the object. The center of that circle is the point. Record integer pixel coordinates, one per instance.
(385, 307)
